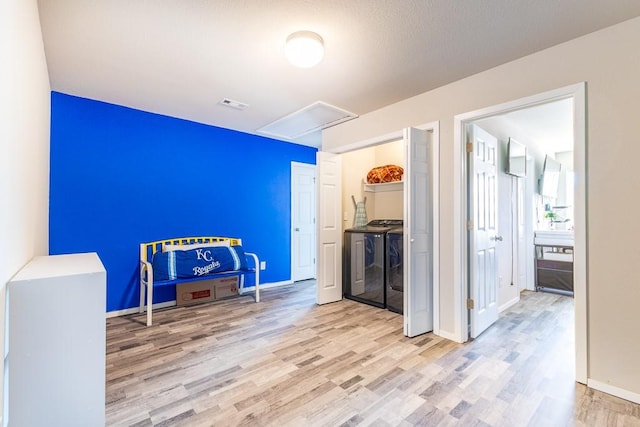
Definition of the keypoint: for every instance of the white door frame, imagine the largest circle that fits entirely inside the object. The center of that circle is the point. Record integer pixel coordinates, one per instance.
(434, 128)
(460, 273)
(293, 245)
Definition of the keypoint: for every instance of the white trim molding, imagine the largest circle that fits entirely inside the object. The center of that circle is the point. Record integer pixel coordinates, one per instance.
(271, 285)
(614, 391)
(451, 336)
(509, 304)
(136, 310)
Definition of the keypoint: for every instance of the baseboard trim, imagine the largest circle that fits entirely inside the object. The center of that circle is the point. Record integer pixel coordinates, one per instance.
(135, 310)
(509, 304)
(448, 335)
(269, 285)
(614, 391)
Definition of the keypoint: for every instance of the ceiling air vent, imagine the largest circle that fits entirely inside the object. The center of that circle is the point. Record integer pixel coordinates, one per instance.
(314, 117)
(233, 104)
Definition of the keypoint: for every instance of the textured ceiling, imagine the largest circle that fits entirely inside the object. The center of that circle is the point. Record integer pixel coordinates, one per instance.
(181, 57)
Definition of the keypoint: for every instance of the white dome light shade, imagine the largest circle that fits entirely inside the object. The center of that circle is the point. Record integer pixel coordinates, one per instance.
(304, 49)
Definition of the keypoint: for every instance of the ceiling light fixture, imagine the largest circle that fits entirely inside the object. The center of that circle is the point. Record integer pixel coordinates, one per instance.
(304, 49)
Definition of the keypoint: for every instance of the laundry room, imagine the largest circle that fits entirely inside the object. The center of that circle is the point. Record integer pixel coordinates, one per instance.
(372, 202)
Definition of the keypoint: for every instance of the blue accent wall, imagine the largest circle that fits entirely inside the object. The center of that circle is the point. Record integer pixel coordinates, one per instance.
(121, 176)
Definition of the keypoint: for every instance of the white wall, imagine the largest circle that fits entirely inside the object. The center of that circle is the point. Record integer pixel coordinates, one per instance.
(355, 166)
(24, 143)
(609, 61)
(389, 204)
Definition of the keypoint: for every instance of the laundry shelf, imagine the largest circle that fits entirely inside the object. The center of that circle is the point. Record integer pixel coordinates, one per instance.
(385, 186)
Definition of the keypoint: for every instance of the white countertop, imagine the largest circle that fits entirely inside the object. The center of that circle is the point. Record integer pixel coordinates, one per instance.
(553, 237)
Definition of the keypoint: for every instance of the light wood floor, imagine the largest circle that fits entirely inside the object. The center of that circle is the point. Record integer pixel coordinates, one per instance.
(287, 361)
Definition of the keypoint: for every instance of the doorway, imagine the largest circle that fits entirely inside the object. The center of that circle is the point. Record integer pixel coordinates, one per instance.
(525, 138)
(330, 218)
(578, 94)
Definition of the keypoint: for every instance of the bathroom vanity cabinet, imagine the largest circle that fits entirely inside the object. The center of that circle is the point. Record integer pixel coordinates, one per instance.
(554, 260)
(554, 267)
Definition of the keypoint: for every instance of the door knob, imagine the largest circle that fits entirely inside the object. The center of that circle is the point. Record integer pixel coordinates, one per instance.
(497, 238)
(297, 229)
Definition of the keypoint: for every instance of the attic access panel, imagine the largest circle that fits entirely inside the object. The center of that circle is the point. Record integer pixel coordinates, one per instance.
(314, 117)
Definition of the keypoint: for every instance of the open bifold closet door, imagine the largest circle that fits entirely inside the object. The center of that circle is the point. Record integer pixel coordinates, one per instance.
(329, 206)
(418, 236)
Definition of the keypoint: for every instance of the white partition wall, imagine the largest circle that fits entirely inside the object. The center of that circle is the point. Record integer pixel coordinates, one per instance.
(57, 342)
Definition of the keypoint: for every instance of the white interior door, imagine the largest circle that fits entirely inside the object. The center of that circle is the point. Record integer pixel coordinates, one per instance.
(418, 277)
(303, 221)
(483, 203)
(329, 248)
